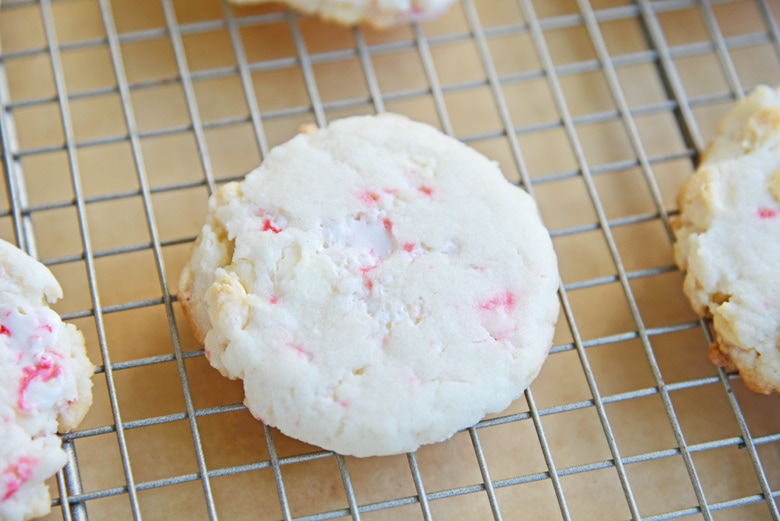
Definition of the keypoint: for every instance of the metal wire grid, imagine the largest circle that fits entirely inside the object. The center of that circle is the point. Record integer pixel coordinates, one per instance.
(73, 501)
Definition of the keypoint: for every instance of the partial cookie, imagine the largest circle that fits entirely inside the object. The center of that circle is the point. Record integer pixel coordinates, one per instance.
(376, 284)
(378, 13)
(45, 384)
(728, 240)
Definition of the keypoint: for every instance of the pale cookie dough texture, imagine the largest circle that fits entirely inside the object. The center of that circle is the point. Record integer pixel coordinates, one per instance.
(45, 384)
(378, 13)
(728, 240)
(376, 284)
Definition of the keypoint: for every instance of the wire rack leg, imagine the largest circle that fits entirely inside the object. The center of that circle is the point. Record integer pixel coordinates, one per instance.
(422, 496)
(72, 486)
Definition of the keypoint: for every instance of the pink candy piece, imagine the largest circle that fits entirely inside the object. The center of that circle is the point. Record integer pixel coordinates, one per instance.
(427, 190)
(367, 269)
(409, 247)
(368, 197)
(505, 300)
(388, 225)
(45, 370)
(303, 354)
(766, 213)
(4, 330)
(269, 226)
(17, 475)
(274, 299)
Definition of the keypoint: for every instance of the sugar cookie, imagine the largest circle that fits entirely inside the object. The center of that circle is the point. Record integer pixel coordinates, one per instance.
(379, 13)
(376, 284)
(728, 240)
(44, 384)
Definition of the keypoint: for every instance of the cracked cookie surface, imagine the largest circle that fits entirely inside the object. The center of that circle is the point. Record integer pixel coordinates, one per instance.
(376, 285)
(728, 240)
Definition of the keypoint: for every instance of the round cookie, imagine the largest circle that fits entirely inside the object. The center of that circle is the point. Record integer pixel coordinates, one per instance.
(728, 240)
(378, 13)
(45, 384)
(376, 284)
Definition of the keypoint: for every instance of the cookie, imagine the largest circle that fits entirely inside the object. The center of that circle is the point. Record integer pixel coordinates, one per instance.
(378, 13)
(376, 284)
(728, 240)
(44, 384)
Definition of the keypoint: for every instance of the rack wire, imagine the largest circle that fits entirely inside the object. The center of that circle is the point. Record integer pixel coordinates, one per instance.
(119, 118)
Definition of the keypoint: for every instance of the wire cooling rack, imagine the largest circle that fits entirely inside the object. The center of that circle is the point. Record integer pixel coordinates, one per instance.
(118, 118)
